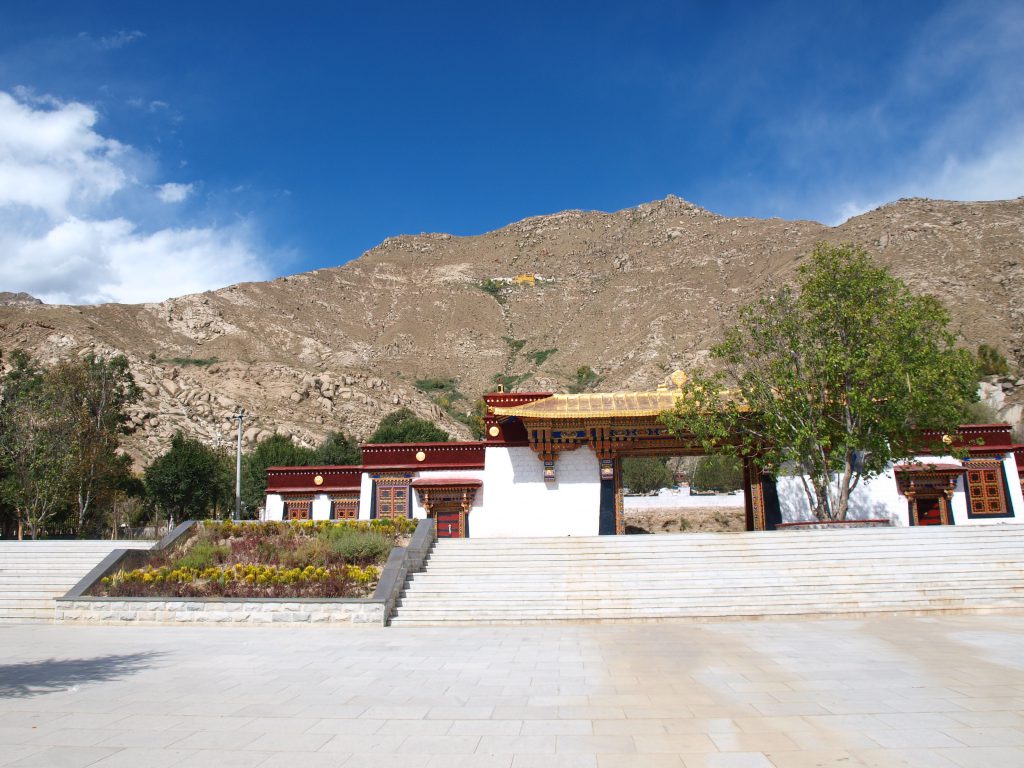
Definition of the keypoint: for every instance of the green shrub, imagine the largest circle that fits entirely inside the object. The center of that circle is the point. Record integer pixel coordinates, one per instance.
(645, 474)
(357, 546)
(204, 554)
(717, 473)
(991, 362)
(538, 356)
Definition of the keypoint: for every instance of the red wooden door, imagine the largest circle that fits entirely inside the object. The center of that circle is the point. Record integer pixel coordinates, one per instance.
(929, 512)
(449, 522)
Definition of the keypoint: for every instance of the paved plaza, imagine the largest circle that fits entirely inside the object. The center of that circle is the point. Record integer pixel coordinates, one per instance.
(932, 692)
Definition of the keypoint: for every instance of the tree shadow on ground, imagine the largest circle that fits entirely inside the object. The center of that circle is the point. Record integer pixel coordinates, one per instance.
(34, 678)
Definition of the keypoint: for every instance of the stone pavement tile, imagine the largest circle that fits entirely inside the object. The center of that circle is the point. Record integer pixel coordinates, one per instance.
(143, 739)
(63, 757)
(363, 760)
(701, 725)
(987, 737)
(277, 725)
(558, 727)
(516, 745)
(559, 701)
(913, 738)
(220, 758)
(289, 742)
(802, 709)
(333, 725)
(10, 753)
(470, 761)
(148, 722)
(989, 719)
(22, 734)
(422, 744)
(726, 760)
(359, 743)
(940, 720)
(753, 742)
(674, 743)
(769, 724)
(215, 740)
(554, 761)
(590, 713)
(193, 723)
(486, 728)
(418, 727)
(307, 760)
(136, 757)
(628, 727)
(395, 712)
(70, 737)
(904, 758)
(924, 705)
(524, 713)
(811, 758)
(984, 757)
(819, 740)
(639, 761)
(86, 720)
(460, 713)
(610, 744)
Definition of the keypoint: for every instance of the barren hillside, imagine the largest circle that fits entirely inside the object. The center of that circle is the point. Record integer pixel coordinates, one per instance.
(633, 294)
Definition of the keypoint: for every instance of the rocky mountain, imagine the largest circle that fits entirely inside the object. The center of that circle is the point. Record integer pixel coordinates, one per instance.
(20, 299)
(633, 294)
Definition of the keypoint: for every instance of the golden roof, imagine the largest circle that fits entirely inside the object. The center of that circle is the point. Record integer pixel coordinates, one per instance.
(595, 404)
(605, 404)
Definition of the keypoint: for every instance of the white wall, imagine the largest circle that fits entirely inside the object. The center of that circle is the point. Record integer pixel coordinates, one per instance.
(275, 507)
(365, 496)
(321, 507)
(880, 499)
(517, 501)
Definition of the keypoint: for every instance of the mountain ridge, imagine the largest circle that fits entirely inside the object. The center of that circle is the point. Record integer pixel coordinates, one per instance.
(633, 294)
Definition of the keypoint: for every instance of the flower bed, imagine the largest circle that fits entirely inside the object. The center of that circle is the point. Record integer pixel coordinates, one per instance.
(308, 559)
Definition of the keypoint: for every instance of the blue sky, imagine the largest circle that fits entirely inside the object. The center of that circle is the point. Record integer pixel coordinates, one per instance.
(153, 149)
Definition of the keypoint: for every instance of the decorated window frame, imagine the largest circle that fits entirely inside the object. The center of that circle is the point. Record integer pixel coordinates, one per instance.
(988, 495)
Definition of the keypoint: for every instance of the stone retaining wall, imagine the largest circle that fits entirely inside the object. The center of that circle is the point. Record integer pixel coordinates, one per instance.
(226, 611)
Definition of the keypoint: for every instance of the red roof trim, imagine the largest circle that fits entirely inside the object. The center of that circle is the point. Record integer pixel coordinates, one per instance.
(447, 482)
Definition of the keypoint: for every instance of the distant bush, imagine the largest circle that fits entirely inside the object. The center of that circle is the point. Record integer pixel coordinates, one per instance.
(645, 474)
(493, 288)
(204, 554)
(991, 362)
(538, 356)
(586, 378)
(717, 473)
(185, 361)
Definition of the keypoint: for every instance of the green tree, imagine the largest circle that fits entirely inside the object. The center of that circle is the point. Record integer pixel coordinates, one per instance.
(834, 379)
(338, 450)
(404, 426)
(275, 451)
(719, 472)
(38, 443)
(97, 392)
(645, 474)
(190, 481)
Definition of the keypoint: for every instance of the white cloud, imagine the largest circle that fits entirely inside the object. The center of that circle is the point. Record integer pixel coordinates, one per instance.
(113, 41)
(174, 193)
(61, 183)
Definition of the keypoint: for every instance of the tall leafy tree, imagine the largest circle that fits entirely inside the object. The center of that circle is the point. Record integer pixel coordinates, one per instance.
(404, 426)
(97, 391)
(337, 449)
(190, 480)
(275, 451)
(38, 441)
(833, 378)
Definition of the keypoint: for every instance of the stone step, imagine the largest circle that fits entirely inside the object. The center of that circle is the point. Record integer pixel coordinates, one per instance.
(697, 576)
(32, 574)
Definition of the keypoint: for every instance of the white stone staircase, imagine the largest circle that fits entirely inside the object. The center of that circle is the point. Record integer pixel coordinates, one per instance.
(703, 576)
(33, 573)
